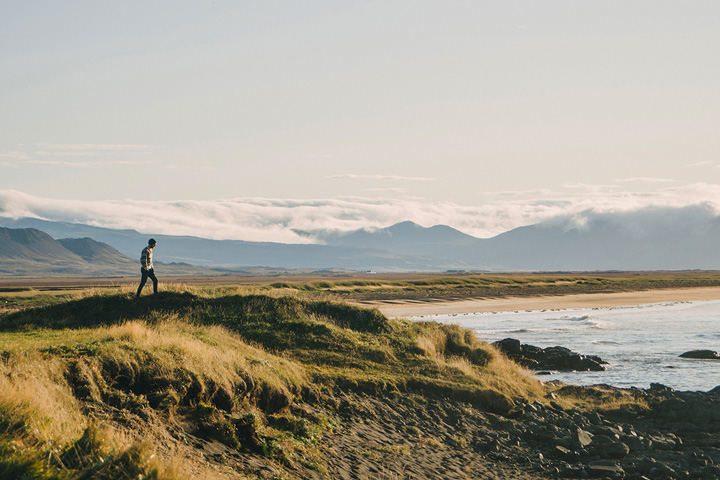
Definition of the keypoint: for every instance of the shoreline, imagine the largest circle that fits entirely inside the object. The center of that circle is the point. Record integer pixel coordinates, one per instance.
(410, 308)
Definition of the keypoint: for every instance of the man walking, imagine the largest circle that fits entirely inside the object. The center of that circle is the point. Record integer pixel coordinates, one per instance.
(146, 269)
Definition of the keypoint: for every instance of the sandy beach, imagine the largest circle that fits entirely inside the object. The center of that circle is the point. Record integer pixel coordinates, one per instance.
(407, 308)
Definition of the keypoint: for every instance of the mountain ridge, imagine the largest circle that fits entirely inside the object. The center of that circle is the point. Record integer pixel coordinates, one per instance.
(30, 252)
(656, 239)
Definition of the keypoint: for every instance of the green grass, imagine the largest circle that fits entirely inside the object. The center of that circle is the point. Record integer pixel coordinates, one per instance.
(489, 284)
(258, 373)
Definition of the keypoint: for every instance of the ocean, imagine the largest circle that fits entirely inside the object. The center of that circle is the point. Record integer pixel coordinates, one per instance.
(641, 343)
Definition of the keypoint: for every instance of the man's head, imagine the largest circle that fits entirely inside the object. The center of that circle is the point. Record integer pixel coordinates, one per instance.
(152, 243)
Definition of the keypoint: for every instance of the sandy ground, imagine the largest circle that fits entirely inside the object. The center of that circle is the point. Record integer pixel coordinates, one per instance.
(408, 308)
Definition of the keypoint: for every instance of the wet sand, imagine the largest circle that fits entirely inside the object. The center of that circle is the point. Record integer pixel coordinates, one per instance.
(407, 308)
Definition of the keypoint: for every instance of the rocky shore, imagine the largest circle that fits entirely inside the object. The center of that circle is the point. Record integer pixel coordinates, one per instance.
(550, 358)
(673, 435)
(676, 437)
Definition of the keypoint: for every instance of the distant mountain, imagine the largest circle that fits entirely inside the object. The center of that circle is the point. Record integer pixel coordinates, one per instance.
(236, 254)
(95, 252)
(647, 239)
(33, 245)
(439, 241)
(128, 242)
(28, 252)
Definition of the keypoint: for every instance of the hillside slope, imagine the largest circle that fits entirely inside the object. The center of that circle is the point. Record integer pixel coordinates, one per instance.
(29, 252)
(94, 252)
(190, 385)
(231, 387)
(26, 252)
(34, 245)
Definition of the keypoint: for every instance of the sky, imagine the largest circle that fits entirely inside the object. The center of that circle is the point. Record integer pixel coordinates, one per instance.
(236, 119)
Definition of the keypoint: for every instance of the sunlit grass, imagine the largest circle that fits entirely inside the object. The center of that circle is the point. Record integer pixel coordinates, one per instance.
(232, 362)
(489, 283)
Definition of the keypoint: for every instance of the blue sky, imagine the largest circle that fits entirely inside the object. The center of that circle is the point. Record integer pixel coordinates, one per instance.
(505, 110)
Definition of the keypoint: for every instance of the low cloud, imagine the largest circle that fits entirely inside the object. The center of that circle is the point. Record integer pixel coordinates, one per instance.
(91, 147)
(86, 155)
(646, 180)
(353, 176)
(78, 164)
(692, 221)
(283, 220)
(590, 189)
(701, 164)
(387, 189)
(13, 156)
(538, 192)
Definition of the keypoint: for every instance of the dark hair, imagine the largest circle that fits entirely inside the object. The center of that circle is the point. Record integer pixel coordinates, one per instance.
(151, 241)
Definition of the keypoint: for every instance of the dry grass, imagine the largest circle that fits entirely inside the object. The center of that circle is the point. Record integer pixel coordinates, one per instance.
(458, 352)
(233, 362)
(45, 432)
(47, 375)
(210, 352)
(597, 397)
(36, 396)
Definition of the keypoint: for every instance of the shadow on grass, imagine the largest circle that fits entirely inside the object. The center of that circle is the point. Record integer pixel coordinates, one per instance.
(230, 311)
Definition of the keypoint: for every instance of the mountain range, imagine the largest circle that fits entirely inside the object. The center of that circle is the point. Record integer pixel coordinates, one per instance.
(28, 252)
(657, 239)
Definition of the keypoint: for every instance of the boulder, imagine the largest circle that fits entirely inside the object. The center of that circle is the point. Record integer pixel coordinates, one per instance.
(605, 471)
(582, 437)
(702, 354)
(550, 358)
(606, 447)
(660, 388)
(509, 346)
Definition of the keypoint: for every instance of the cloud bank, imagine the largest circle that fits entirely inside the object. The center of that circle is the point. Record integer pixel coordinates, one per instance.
(280, 220)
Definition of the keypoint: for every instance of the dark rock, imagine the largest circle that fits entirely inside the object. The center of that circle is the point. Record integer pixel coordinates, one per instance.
(565, 441)
(565, 423)
(662, 442)
(611, 432)
(600, 470)
(659, 387)
(570, 471)
(702, 354)
(509, 346)
(595, 418)
(606, 447)
(550, 358)
(634, 443)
